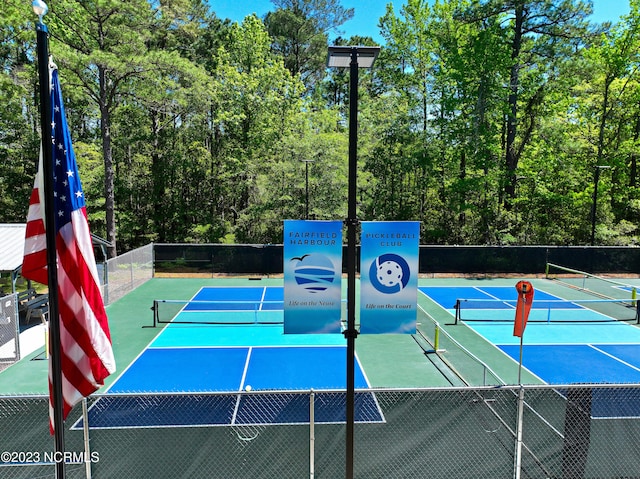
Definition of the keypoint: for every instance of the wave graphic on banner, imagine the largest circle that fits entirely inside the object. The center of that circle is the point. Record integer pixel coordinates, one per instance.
(314, 272)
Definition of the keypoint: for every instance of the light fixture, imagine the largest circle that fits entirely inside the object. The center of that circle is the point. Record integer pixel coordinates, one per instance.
(39, 8)
(340, 56)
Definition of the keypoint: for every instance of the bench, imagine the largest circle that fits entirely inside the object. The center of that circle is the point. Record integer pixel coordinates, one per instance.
(32, 304)
(24, 296)
(37, 307)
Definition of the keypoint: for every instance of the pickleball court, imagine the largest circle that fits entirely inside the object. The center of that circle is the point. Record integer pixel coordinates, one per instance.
(216, 345)
(565, 341)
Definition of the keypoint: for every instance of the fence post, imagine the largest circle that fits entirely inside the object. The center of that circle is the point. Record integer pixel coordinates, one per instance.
(87, 447)
(105, 289)
(518, 452)
(16, 321)
(312, 435)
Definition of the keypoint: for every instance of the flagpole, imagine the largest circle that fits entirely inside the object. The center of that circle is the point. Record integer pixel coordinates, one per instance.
(42, 33)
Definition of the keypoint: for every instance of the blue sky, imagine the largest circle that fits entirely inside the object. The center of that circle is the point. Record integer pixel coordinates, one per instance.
(367, 12)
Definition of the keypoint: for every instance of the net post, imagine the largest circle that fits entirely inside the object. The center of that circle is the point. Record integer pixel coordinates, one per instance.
(256, 308)
(634, 295)
(436, 339)
(457, 308)
(637, 312)
(155, 312)
(546, 270)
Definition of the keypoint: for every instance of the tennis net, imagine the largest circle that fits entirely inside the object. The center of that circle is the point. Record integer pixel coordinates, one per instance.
(216, 312)
(590, 283)
(550, 311)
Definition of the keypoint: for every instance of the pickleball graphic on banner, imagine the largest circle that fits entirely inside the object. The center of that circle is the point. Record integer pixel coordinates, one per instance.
(389, 278)
(312, 276)
(389, 273)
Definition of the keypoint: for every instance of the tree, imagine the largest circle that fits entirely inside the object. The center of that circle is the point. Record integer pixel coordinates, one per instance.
(470, 59)
(19, 117)
(538, 30)
(255, 100)
(299, 31)
(101, 45)
(612, 102)
(107, 46)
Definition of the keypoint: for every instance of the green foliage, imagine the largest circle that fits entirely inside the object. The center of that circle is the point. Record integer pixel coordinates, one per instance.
(484, 120)
(298, 30)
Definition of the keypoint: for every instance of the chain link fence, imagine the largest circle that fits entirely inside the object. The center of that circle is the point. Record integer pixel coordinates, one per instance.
(583, 431)
(126, 272)
(9, 329)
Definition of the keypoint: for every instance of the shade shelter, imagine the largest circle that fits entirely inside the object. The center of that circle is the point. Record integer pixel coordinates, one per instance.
(12, 251)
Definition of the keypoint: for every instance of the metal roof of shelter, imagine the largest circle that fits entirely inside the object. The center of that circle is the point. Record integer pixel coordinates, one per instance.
(12, 238)
(11, 246)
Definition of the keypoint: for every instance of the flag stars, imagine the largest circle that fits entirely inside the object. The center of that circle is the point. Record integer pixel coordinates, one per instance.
(67, 188)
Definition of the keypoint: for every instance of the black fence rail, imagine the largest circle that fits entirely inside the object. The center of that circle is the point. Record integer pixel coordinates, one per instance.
(268, 259)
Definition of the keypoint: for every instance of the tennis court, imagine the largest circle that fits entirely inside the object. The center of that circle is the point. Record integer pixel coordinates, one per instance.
(215, 343)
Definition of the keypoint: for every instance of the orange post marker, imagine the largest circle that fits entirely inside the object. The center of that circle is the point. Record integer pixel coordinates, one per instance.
(525, 299)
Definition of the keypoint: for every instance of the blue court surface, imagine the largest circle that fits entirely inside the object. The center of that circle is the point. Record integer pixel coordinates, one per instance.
(234, 372)
(237, 299)
(570, 345)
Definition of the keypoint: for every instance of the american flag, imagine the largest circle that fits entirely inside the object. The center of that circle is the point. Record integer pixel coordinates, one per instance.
(86, 355)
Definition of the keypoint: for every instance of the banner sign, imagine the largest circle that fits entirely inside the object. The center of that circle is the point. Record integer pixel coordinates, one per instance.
(312, 276)
(389, 277)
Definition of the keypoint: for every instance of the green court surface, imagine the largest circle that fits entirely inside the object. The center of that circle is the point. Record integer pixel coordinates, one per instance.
(391, 361)
(388, 361)
(439, 430)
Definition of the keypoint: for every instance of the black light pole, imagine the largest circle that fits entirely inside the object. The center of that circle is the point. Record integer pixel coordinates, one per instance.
(40, 8)
(355, 57)
(596, 179)
(306, 188)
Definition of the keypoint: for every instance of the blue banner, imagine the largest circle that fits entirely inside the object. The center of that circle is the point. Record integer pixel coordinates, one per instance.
(312, 276)
(389, 277)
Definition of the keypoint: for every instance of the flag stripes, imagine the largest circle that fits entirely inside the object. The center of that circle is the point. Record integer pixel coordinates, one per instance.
(86, 354)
